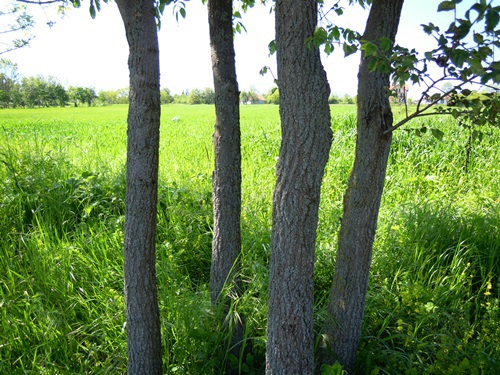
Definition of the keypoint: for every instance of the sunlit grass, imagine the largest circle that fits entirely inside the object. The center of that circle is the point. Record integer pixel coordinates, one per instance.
(433, 305)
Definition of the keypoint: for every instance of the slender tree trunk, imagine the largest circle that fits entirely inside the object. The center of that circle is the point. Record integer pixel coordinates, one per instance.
(143, 322)
(305, 145)
(362, 199)
(226, 184)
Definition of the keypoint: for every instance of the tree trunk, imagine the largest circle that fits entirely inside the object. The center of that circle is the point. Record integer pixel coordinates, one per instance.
(226, 184)
(362, 199)
(305, 145)
(143, 322)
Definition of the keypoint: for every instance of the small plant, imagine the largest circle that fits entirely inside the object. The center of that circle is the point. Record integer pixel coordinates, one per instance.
(335, 369)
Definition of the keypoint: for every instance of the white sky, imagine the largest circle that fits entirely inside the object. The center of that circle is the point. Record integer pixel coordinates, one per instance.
(82, 51)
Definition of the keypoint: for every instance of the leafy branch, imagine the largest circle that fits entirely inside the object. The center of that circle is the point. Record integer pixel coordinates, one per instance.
(465, 54)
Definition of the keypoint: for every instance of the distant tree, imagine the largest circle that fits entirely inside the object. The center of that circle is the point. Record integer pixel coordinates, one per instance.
(9, 84)
(333, 99)
(82, 95)
(244, 97)
(208, 96)
(107, 97)
(165, 96)
(122, 96)
(181, 98)
(32, 91)
(273, 96)
(56, 93)
(347, 99)
(250, 96)
(42, 92)
(201, 96)
(195, 96)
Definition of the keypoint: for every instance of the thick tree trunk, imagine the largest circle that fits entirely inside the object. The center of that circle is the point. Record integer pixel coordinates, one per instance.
(226, 184)
(305, 145)
(143, 322)
(362, 199)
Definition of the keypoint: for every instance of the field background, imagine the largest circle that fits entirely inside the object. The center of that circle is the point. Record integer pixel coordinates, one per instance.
(433, 304)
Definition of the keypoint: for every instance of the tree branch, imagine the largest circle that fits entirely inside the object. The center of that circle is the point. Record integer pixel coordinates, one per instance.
(41, 2)
(420, 112)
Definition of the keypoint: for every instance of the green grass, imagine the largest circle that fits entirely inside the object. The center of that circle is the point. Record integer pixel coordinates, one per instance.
(433, 303)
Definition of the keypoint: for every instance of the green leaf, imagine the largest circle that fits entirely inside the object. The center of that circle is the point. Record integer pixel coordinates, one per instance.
(350, 35)
(182, 11)
(446, 6)
(334, 33)
(492, 19)
(495, 66)
(438, 134)
(92, 10)
(272, 47)
(349, 49)
(335, 369)
(478, 38)
(161, 8)
(372, 65)
(435, 97)
(329, 48)
(369, 48)
(428, 29)
(385, 44)
(320, 36)
(459, 57)
(460, 32)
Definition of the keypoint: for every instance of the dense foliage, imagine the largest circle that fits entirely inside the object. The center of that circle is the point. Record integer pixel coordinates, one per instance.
(433, 304)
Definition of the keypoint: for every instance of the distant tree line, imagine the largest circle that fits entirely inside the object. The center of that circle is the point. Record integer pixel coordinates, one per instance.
(18, 91)
(346, 99)
(39, 91)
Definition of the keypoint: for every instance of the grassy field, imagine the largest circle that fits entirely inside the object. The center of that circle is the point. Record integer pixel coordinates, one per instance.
(433, 304)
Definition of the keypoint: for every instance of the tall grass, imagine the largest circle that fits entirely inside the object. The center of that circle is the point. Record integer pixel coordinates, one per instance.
(433, 304)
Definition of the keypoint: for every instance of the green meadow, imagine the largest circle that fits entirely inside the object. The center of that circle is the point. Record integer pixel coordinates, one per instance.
(433, 302)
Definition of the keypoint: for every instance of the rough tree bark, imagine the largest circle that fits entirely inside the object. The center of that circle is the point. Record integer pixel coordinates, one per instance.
(142, 312)
(226, 183)
(305, 144)
(362, 199)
